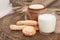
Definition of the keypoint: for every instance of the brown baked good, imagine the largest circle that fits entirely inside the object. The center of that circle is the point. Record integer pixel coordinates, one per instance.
(27, 22)
(17, 27)
(29, 31)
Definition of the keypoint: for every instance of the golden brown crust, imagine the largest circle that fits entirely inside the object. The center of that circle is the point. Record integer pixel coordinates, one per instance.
(16, 27)
(29, 31)
(27, 22)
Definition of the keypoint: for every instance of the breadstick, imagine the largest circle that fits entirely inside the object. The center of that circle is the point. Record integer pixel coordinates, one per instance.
(27, 22)
(16, 27)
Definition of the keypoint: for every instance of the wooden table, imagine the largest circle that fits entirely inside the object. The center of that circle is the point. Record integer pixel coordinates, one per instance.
(7, 34)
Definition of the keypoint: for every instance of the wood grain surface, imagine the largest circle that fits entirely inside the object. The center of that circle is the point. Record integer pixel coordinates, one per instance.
(7, 34)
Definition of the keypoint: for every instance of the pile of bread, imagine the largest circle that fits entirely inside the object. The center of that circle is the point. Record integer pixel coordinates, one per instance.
(28, 27)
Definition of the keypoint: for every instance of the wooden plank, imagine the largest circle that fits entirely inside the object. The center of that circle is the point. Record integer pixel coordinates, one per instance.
(17, 35)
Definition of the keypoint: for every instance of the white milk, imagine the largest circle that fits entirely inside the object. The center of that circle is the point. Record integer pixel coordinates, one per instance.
(5, 7)
(47, 23)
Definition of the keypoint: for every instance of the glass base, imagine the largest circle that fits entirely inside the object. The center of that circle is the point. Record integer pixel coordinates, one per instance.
(45, 33)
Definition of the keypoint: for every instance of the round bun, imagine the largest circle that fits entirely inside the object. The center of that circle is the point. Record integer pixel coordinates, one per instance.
(36, 6)
(29, 31)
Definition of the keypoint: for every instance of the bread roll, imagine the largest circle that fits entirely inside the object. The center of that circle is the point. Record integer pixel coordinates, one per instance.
(27, 22)
(16, 27)
(29, 31)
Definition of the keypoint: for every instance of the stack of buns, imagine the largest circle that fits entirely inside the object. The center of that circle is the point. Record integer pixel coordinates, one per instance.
(28, 27)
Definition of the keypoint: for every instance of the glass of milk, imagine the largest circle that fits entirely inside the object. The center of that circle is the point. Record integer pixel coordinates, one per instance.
(47, 23)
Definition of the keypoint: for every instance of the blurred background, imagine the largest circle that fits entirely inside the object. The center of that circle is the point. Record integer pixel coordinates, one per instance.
(53, 3)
